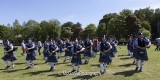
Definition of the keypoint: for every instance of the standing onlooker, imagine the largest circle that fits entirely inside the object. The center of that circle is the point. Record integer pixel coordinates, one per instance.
(39, 47)
(23, 48)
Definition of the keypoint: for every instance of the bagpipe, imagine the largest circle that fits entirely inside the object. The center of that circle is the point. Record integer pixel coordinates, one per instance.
(14, 49)
(147, 41)
(51, 52)
(46, 51)
(106, 52)
(67, 48)
(35, 48)
(79, 52)
(87, 48)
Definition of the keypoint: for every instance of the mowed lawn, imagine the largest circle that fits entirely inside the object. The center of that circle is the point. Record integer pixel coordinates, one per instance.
(121, 68)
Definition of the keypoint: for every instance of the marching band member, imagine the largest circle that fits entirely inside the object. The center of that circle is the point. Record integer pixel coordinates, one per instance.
(39, 47)
(141, 44)
(104, 58)
(76, 58)
(46, 50)
(60, 46)
(95, 47)
(9, 55)
(52, 59)
(23, 46)
(113, 50)
(87, 53)
(31, 54)
(68, 49)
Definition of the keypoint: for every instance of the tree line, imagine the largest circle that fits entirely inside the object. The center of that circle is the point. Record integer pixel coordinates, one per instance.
(120, 25)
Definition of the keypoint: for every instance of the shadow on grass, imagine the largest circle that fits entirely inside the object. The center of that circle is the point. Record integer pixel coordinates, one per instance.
(57, 75)
(125, 58)
(84, 77)
(76, 64)
(127, 65)
(126, 73)
(37, 72)
(39, 63)
(62, 63)
(10, 71)
(2, 69)
(122, 55)
(95, 65)
(19, 63)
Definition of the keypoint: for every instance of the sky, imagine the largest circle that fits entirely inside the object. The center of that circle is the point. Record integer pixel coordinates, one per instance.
(83, 11)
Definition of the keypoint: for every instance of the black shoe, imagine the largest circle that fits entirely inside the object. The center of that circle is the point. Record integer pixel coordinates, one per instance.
(64, 61)
(45, 62)
(78, 70)
(51, 69)
(101, 72)
(104, 71)
(73, 70)
(7, 67)
(140, 70)
(136, 69)
(58, 57)
(133, 62)
(109, 63)
(28, 67)
(85, 62)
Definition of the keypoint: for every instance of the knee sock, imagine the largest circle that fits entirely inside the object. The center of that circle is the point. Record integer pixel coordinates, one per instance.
(137, 63)
(73, 66)
(88, 58)
(128, 52)
(45, 58)
(28, 63)
(85, 58)
(70, 58)
(141, 64)
(105, 66)
(32, 62)
(101, 67)
(52, 65)
(78, 68)
(6, 62)
(12, 64)
(65, 58)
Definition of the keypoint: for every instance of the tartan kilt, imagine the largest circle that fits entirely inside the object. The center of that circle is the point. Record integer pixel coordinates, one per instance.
(141, 54)
(9, 57)
(76, 59)
(105, 58)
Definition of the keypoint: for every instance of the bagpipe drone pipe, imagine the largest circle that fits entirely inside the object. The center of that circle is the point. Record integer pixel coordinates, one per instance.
(147, 41)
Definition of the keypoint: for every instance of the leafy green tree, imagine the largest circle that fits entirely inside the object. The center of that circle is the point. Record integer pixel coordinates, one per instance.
(146, 25)
(32, 30)
(55, 27)
(117, 27)
(126, 12)
(77, 31)
(90, 31)
(133, 24)
(101, 30)
(5, 32)
(67, 30)
(44, 30)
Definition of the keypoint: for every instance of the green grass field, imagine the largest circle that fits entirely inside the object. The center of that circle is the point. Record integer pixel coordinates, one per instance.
(121, 68)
